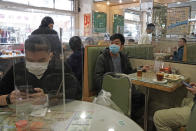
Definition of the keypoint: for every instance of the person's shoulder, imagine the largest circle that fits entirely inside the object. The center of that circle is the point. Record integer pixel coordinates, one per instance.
(54, 32)
(44, 30)
(35, 32)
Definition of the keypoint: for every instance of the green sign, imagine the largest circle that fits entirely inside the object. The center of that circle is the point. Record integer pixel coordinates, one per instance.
(118, 24)
(99, 22)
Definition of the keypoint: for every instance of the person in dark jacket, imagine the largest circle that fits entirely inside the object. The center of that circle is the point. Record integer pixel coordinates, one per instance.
(75, 60)
(191, 124)
(112, 60)
(46, 29)
(178, 55)
(37, 70)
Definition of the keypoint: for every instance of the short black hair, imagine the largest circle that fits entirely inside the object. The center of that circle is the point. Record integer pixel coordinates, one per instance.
(37, 43)
(46, 21)
(75, 43)
(118, 36)
(183, 39)
(150, 26)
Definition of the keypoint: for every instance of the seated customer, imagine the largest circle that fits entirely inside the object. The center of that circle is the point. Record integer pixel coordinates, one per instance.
(191, 124)
(112, 60)
(173, 118)
(178, 55)
(75, 60)
(39, 65)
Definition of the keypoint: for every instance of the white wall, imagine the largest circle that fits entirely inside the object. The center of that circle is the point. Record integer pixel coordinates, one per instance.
(85, 7)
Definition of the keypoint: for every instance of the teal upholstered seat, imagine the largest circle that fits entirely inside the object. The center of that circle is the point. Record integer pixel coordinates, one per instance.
(120, 88)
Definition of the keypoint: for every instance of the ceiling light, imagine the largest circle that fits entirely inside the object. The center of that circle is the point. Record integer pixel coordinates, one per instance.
(178, 3)
(111, 129)
(108, 2)
(120, 1)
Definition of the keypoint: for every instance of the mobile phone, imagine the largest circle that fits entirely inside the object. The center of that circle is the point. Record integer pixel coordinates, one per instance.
(186, 84)
(26, 89)
(31, 90)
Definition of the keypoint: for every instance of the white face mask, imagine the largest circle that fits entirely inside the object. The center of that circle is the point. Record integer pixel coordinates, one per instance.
(37, 68)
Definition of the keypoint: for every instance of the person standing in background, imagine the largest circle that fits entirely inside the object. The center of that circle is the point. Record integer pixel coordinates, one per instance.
(47, 23)
(146, 37)
(46, 28)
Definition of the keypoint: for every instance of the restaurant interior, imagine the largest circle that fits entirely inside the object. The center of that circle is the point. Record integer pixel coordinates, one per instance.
(89, 71)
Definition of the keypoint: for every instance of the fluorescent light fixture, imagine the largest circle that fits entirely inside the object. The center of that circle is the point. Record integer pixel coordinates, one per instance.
(108, 2)
(83, 115)
(111, 129)
(120, 1)
(178, 3)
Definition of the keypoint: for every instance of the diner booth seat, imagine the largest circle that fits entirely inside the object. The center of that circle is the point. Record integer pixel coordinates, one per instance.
(191, 53)
(144, 51)
(90, 57)
(120, 88)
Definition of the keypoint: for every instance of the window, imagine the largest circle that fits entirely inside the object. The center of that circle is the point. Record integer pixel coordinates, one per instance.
(25, 2)
(64, 5)
(41, 3)
(57, 4)
(131, 16)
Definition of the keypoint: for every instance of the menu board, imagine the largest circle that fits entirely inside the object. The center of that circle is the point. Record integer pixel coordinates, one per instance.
(118, 24)
(99, 22)
(177, 20)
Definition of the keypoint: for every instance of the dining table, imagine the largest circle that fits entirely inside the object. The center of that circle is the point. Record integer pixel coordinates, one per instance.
(149, 81)
(11, 56)
(71, 116)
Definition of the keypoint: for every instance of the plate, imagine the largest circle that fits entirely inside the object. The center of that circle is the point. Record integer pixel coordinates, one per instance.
(173, 77)
(160, 82)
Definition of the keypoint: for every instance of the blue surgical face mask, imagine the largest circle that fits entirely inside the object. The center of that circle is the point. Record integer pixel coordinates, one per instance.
(114, 49)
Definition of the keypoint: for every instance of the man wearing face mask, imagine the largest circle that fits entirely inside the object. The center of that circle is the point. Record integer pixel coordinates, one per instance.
(112, 60)
(39, 64)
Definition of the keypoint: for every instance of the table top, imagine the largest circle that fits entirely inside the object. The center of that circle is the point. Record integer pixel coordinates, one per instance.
(77, 116)
(147, 81)
(11, 56)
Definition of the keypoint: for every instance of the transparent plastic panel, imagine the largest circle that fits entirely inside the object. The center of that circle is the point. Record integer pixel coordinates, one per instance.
(38, 82)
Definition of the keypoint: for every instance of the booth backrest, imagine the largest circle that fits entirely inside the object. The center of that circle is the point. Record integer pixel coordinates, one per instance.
(90, 58)
(191, 53)
(139, 51)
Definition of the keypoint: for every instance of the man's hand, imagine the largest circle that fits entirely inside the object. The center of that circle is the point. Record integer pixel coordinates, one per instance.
(39, 93)
(174, 49)
(14, 95)
(39, 97)
(192, 90)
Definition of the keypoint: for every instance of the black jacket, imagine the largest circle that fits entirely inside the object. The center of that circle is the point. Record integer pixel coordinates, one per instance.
(43, 30)
(104, 64)
(75, 61)
(51, 80)
(52, 37)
